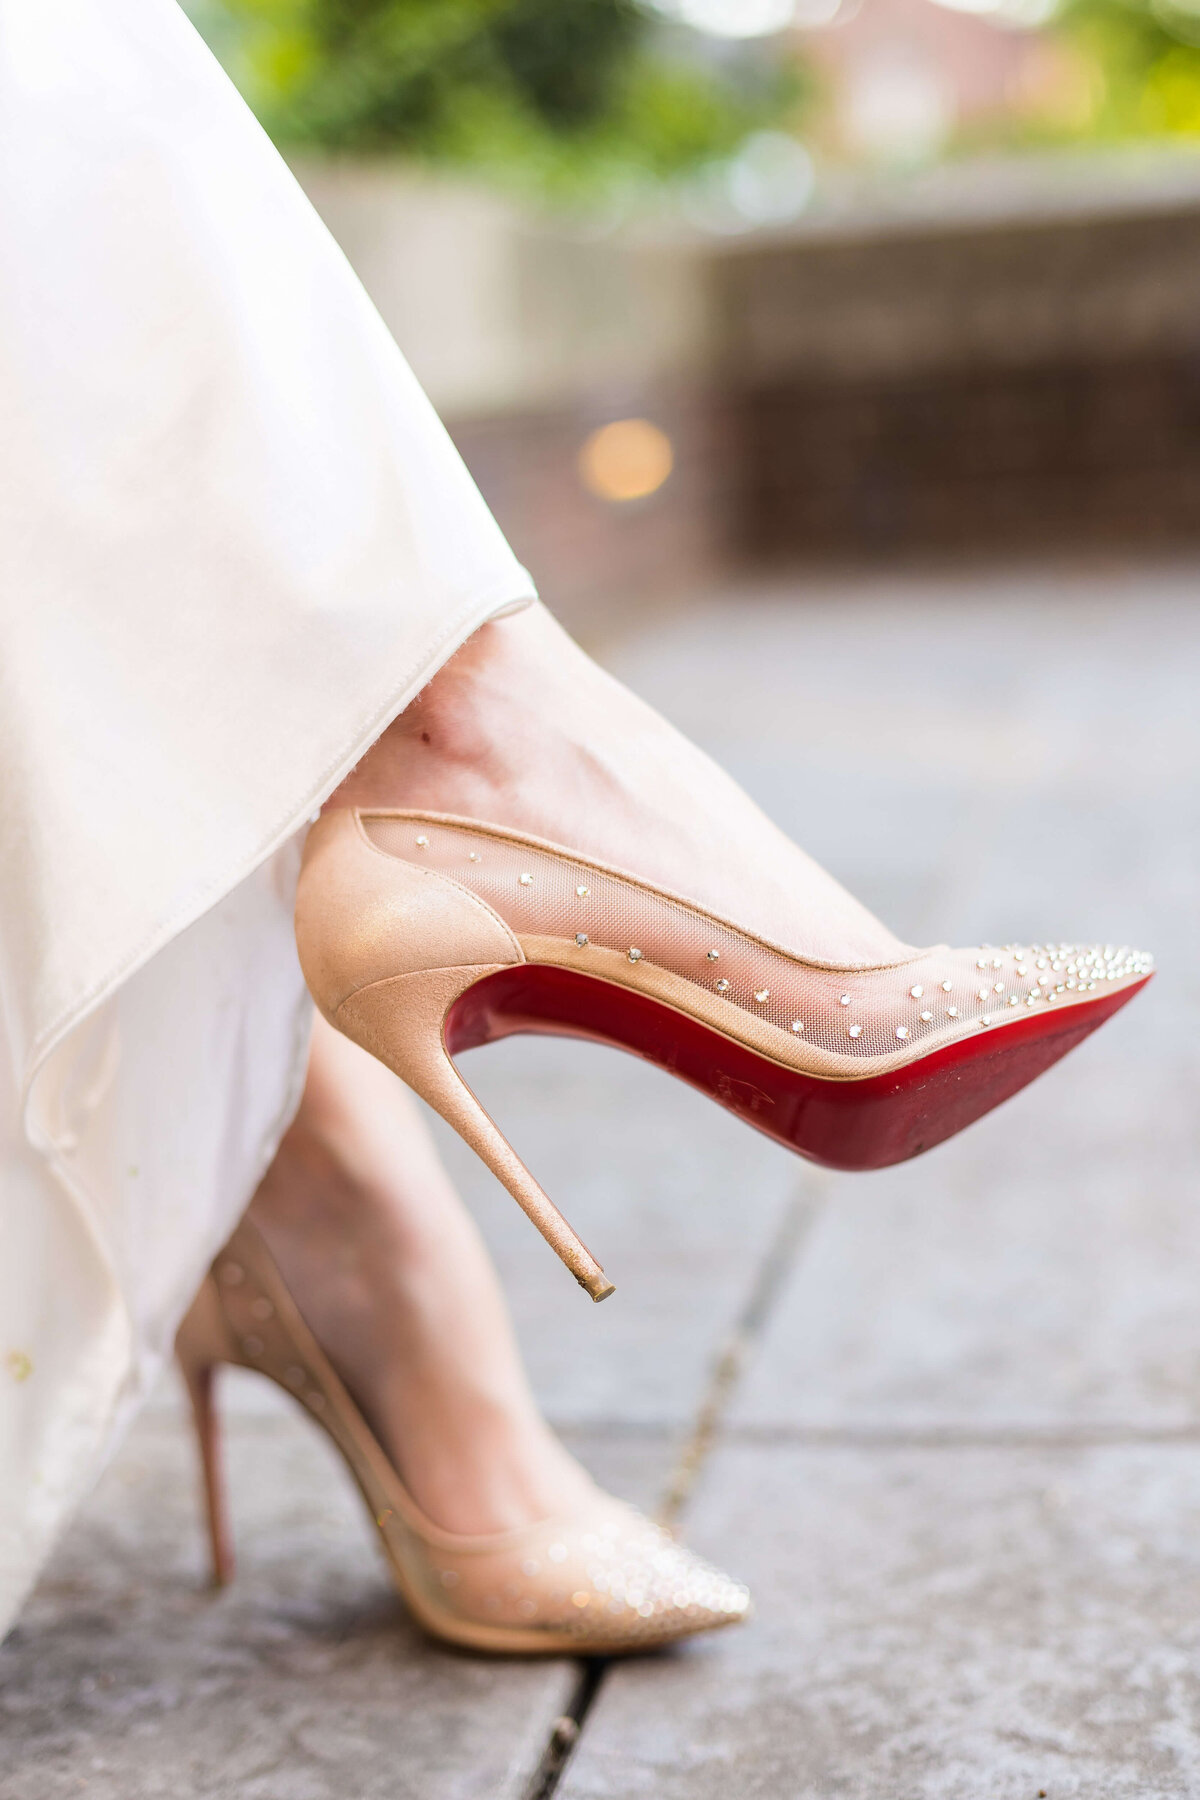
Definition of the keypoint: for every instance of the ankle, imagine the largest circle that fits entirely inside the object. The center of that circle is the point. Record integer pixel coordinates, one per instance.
(454, 744)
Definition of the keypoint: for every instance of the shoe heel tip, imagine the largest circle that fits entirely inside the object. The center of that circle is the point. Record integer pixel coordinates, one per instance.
(599, 1289)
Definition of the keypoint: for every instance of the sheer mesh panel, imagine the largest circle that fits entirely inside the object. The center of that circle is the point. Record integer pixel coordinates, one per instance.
(867, 1013)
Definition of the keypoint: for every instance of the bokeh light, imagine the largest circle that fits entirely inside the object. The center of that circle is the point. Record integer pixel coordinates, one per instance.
(626, 460)
(732, 18)
(769, 180)
(1028, 15)
(897, 105)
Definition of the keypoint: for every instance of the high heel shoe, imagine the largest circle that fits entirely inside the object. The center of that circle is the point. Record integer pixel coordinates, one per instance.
(421, 935)
(601, 1582)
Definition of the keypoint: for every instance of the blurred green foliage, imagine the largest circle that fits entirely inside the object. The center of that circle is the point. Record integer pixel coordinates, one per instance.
(565, 97)
(1145, 55)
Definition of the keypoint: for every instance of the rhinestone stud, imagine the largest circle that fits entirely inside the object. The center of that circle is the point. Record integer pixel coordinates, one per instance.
(474, 856)
(952, 1012)
(854, 1031)
(526, 880)
(722, 986)
(797, 1025)
(422, 842)
(582, 893)
(634, 955)
(712, 955)
(902, 1031)
(761, 994)
(845, 1000)
(947, 987)
(916, 992)
(927, 1018)
(581, 938)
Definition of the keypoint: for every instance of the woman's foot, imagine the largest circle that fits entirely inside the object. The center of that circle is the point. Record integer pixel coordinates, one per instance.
(522, 729)
(391, 1276)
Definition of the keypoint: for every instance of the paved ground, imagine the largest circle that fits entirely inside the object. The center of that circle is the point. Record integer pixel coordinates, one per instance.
(945, 1419)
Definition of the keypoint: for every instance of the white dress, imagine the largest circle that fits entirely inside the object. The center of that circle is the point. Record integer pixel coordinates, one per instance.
(234, 542)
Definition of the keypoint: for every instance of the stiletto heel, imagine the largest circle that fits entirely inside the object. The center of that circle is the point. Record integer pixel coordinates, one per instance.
(199, 1350)
(599, 1582)
(402, 1022)
(421, 935)
(390, 976)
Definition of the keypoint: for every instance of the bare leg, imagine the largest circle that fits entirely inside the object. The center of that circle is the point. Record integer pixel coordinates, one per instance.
(522, 729)
(519, 729)
(388, 1269)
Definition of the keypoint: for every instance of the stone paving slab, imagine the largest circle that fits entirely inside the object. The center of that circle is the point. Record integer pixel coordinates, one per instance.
(941, 1616)
(127, 1679)
(931, 1625)
(1038, 1273)
(904, 727)
(960, 1593)
(678, 1200)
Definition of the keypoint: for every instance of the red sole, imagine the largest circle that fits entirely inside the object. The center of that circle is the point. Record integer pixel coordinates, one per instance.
(865, 1124)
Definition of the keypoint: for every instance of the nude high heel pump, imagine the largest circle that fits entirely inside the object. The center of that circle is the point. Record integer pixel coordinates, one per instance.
(422, 934)
(603, 1581)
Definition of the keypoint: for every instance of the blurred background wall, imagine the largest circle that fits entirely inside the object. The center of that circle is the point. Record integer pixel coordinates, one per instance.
(710, 284)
